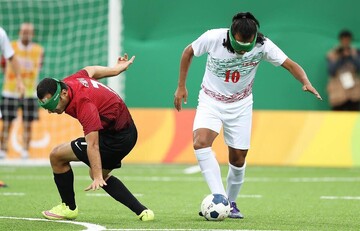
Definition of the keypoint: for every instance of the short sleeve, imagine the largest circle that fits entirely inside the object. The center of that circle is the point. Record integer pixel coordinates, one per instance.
(273, 54)
(201, 45)
(80, 73)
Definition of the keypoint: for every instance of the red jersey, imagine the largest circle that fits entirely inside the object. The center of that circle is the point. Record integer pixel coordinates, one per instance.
(95, 105)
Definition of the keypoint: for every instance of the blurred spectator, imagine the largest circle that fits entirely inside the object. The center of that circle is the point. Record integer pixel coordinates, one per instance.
(9, 54)
(30, 56)
(344, 68)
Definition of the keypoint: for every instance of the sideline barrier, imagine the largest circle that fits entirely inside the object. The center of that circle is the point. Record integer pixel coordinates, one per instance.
(296, 138)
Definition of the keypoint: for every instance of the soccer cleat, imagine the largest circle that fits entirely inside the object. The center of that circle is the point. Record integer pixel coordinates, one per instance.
(234, 211)
(200, 214)
(2, 184)
(146, 215)
(60, 212)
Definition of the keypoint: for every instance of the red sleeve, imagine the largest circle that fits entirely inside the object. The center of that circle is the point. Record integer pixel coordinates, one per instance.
(3, 63)
(81, 73)
(88, 116)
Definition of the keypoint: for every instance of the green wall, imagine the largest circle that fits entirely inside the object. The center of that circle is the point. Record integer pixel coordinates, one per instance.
(156, 31)
(74, 34)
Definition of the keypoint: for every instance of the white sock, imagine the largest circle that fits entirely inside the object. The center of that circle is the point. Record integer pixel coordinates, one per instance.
(210, 169)
(235, 179)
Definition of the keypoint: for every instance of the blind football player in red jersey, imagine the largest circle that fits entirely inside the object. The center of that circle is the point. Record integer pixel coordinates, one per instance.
(109, 135)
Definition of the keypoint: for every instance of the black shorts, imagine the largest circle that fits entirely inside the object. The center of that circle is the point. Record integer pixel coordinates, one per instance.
(114, 146)
(9, 108)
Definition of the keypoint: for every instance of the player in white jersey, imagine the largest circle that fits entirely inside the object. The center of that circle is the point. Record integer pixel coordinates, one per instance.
(8, 53)
(225, 98)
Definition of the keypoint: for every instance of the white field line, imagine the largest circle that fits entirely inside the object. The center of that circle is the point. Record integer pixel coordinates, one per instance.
(107, 195)
(188, 230)
(140, 195)
(12, 194)
(325, 179)
(197, 179)
(250, 196)
(241, 196)
(339, 198)
(192, 169)
(88, 226)
(31, 162)
(94, 227)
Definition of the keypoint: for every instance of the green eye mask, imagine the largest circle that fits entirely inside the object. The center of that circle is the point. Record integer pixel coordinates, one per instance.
(51, 104)
(239, 46)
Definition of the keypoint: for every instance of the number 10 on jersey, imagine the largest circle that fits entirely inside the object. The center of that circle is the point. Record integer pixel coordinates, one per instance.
(233, 76)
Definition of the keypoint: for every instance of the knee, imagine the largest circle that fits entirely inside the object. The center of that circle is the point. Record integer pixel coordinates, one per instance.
(238, 163)
(55, 157)
(237, 158)
(200, 142)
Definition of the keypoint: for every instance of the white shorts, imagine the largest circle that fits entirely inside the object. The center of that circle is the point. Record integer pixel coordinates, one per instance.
(236, 119)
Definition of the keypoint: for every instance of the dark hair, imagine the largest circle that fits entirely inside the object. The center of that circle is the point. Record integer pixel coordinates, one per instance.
(48, 86)
(247, 25)
(345, 34)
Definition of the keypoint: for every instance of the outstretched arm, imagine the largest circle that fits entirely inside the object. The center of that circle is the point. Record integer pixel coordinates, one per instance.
(99, 72)
(181, 91)
(297, 71)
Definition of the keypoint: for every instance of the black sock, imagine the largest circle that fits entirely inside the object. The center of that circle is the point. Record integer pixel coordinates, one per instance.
(65, 186)
(117, 190)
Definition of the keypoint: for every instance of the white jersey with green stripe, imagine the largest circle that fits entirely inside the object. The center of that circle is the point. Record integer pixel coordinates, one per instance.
(229, 76)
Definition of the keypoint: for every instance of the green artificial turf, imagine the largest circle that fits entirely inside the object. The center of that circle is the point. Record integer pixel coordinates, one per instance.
(272, 198)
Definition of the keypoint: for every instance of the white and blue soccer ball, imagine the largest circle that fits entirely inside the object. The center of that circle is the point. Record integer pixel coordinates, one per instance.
(215, 207)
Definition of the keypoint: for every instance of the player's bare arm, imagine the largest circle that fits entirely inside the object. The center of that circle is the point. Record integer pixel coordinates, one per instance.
(99, 72)
(15, 65)
(92, 140)
(298, 72)
(181, 92)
